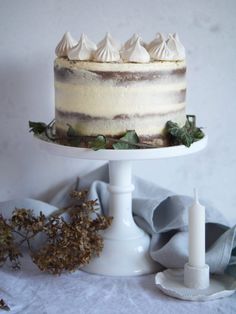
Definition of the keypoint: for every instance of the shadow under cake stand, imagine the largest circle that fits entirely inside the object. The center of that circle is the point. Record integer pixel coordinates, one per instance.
(126, 246)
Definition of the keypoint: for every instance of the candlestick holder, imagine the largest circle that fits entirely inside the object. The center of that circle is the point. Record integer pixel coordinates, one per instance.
(171, 282)
(196, 277)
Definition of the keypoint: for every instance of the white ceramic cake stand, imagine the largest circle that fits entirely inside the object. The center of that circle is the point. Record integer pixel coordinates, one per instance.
(126, 246)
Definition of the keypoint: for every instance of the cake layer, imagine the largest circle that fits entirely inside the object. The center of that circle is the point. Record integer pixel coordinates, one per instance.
(119, 66)
(118, 77)
(144, 125)
(111, 98)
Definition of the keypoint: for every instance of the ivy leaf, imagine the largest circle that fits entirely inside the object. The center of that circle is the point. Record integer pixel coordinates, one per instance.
(72, 136)
(37, 127)
(172, 128)
(98, 143)
(71, 131)
(198, 134)
(185, 135)
(127, 141)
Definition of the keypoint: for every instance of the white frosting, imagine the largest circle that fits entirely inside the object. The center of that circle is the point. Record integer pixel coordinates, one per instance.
(119, 66)
(160, 102)
(67, 42)
(136, 53)
(130, 42)
(156, 41)
(173, 43)
(83, 50)
(106, 52)
(112, 41)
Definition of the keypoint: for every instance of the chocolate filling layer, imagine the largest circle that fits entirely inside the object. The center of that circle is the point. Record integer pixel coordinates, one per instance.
(138, 76)
(155, 139)
(118, 77)
(85, 117)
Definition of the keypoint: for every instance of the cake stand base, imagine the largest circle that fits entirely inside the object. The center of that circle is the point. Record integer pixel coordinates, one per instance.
(123, 258)
(171, 282)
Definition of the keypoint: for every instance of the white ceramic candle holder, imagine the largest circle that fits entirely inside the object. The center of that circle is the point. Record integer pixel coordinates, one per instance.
(171, 282)
(196, 277)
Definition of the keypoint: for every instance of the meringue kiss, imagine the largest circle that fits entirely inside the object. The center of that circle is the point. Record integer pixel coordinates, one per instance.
(66, 43)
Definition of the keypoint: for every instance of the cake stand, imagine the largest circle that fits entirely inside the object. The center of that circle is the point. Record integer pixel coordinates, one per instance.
(126, 246)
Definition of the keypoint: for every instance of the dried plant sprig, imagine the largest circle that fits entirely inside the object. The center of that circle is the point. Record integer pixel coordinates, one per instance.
(4, 306)
(9, 250)
(69, 244)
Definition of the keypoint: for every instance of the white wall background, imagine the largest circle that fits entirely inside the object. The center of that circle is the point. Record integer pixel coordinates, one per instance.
(29, 32)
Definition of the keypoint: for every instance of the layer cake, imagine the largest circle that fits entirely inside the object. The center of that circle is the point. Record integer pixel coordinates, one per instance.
(111, 97)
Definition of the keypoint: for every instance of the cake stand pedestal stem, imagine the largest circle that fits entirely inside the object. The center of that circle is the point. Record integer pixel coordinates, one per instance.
(126, 246)
(120, 201)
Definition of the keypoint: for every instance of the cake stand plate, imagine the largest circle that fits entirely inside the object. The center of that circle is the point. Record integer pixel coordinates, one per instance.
(171, 282)
(122, 154)
(126, 246)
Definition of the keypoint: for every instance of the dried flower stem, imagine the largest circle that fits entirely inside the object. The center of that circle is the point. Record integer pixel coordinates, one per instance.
(69, 244)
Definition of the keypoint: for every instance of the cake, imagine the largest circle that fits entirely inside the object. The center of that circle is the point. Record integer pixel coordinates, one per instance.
(106, 89)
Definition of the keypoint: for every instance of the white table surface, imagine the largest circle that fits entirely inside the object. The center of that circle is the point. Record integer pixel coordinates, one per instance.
(30, 291)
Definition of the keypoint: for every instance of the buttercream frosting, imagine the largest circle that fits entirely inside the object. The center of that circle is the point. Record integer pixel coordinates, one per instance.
(136, 53)
(106, 52)
(83, 50)
(66, 43)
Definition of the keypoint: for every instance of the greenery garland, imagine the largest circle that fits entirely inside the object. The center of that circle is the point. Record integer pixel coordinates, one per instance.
(175, 134)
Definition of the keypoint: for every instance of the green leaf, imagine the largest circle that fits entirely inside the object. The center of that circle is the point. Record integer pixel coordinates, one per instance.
(127, 141)
(185, 135)
(171, 124)
(98, 143)
(172, 128)
(198, 134)
(37, 127)
(73, 138)
(71, 131)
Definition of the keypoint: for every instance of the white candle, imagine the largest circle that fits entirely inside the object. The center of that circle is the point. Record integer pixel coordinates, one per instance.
(196, 221)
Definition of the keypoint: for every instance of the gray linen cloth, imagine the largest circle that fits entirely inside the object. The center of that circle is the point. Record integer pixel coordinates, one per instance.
(161, 213)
